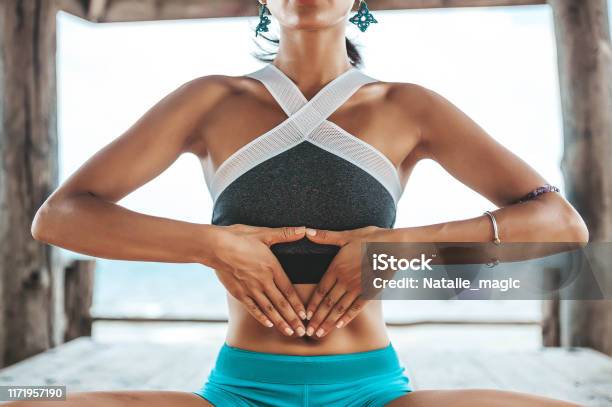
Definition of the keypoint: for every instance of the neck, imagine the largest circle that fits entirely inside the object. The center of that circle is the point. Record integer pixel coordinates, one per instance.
(312, 58)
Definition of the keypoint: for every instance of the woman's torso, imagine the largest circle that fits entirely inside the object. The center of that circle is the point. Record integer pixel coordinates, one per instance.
(371, 113)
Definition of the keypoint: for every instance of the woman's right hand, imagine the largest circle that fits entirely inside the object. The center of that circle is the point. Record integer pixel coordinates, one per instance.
(250, 272)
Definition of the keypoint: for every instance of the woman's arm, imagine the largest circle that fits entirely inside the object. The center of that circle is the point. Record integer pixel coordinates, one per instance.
(468, 153)
(82, 215)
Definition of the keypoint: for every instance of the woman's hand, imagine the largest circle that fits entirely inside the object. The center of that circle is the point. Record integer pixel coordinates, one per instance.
(336, 300)
(250, 272)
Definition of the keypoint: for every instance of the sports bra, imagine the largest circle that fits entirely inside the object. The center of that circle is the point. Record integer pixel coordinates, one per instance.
(306, 171)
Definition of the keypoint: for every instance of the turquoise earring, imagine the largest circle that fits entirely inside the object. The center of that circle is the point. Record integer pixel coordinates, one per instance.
(363, 18)
(264, 20)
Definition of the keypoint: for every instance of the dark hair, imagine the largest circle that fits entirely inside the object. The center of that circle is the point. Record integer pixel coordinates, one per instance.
(266, 55)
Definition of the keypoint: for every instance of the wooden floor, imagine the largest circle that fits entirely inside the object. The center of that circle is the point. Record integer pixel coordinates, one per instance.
(582, 375)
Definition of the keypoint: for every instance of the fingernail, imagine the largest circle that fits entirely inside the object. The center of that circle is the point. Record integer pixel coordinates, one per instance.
(311, 232)
(320, 332)
(300, 230)
(340, 324)
(309, 315)
(289, 331)
(309, 331)
(269, 324)
(301, 331)
(303, 315)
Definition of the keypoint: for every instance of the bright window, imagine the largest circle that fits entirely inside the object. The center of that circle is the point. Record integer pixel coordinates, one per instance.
(498, 65)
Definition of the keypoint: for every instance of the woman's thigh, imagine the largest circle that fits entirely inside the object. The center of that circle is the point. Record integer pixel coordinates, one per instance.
(122, 399)
(474, 398)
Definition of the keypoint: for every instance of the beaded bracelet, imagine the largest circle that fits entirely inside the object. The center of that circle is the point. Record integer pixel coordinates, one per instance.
(537, 192)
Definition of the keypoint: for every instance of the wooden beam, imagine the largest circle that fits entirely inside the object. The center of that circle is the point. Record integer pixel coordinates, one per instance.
(135, 10)
(424, 4)
(139, 10)
(28, 173)
(79, 8)
(97, 8)
(585, 73)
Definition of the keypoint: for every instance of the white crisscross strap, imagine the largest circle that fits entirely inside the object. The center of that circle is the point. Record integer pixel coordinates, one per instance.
(306, 122)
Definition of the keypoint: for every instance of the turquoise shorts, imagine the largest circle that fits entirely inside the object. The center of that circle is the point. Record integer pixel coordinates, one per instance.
(247, 378)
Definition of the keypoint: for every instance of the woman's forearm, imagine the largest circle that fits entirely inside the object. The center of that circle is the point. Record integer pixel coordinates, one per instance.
(546, 219)
(87, 224)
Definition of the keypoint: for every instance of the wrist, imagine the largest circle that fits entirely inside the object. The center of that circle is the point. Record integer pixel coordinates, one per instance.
(209, 241)
(382, 235)
(397, 235)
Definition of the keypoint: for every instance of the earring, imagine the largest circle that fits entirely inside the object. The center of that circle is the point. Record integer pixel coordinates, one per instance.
(363, 18)
(264, 20)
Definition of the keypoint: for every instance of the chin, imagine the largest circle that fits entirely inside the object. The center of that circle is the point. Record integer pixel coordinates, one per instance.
(306, 3)
(310, 22)
(315, 20)
(308, 26)
(310, 14)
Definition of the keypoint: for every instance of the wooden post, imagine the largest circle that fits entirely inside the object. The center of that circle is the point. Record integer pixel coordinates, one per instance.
(78, 295)
(551, 329)
(28, 172)
(585, 73)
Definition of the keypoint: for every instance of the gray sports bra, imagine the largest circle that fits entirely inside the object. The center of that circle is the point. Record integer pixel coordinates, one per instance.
(305, 171)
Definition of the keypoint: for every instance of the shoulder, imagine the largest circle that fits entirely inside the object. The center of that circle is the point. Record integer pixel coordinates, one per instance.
(211, 99)
(210, 88)
(413, 98)
(418, 114)
(194, 101)
(200, 96)
(211, 91)
(412, 104)
(425, 107)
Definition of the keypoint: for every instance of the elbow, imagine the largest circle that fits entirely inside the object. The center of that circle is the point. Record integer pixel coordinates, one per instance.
(54, 222)
(560, 221)
(574, 227)
(38, 228)
(579, 233)
(41, 228)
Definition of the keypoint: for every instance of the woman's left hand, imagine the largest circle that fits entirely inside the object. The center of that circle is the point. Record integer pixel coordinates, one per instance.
(336, 300)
